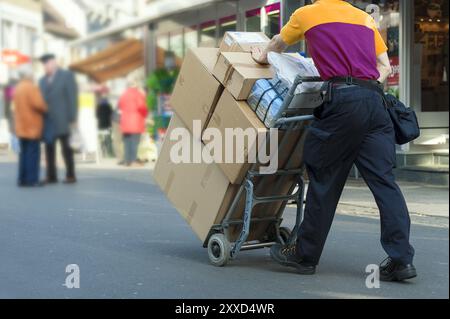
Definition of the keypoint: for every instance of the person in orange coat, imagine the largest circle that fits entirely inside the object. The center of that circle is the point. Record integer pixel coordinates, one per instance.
(133, 114)
(29, 110)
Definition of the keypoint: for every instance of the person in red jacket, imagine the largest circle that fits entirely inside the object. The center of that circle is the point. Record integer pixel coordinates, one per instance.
(133, 114)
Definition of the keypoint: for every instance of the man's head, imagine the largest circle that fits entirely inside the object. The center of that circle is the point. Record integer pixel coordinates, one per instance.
(25, 72)
(49, 63)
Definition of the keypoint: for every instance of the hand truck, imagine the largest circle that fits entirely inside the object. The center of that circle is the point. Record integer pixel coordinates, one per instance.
(222, 245)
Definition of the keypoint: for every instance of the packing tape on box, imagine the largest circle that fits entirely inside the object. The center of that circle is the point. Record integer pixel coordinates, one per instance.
(232, 68)
(191, 213)
(169, 182)
(207, 176)
(228, 74)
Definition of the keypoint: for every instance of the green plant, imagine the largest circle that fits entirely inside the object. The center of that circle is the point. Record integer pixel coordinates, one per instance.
(161, 81)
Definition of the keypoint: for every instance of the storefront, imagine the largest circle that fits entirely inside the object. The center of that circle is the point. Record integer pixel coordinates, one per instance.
(416, 32)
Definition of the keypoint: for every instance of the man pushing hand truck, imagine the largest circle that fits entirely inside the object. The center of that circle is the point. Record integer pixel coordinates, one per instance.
(352, 126)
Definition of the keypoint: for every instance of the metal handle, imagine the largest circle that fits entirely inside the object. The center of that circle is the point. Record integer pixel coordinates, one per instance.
(286, 120)
(291, 94)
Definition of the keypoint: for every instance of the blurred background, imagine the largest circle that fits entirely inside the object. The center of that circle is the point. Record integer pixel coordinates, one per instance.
(105, 42)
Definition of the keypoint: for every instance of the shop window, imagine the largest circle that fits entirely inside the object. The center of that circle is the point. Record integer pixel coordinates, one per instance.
(266, 19)
(7, 35)
(190, 38)
(227, 24)
(208, 34)
(431, 44)
(176, 43)
(163, 46)
(387, 15)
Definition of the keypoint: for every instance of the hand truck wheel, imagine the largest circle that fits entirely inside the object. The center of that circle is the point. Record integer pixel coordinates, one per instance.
(285, 234)
(219, 250)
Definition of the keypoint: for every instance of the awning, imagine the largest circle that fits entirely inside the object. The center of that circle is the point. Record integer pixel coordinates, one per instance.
(156, 10)
(115, 61)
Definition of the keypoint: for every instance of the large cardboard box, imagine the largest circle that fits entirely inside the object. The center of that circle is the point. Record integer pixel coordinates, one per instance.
(230, 114)
(202, 194)
(238, 72)
(196, 91)
(243, 41)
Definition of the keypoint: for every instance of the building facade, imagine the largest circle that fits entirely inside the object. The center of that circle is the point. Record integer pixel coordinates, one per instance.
(416, 32)
(20, 28)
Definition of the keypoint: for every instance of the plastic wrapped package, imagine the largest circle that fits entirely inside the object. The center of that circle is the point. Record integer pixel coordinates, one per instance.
(287, 67)
(266, 99)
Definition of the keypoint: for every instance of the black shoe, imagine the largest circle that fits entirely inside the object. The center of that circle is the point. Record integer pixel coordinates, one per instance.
(394, 271)
(287, 256)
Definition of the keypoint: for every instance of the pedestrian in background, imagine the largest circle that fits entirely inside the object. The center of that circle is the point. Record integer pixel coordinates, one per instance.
(133, 114)
(60, 91)
(104, 113)
(29, 110)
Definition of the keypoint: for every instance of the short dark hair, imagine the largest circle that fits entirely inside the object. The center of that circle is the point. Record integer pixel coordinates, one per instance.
(47, 57)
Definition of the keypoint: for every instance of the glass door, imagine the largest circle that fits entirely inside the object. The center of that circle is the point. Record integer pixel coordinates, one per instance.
(431, 22)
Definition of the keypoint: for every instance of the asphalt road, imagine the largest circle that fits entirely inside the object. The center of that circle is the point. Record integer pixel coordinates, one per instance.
(129, 242)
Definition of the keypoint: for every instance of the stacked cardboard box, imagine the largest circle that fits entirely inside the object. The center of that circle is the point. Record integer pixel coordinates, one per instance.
(196, 91)
(238, 72)
(243, 41)
(212, 87)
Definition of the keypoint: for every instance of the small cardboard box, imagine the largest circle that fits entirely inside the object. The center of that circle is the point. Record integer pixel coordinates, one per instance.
(196, 91)
(238, 72)
(201, 193)
(243, 41)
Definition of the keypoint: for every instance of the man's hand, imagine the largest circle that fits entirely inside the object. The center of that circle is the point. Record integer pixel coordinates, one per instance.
(384, 67)
(275, 45)
(259, 55)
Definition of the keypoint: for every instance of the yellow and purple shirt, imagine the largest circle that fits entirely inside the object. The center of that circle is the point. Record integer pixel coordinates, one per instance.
(342, 40)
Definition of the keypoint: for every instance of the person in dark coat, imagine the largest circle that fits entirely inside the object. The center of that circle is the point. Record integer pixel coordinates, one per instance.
(60, 92)
(104, 114)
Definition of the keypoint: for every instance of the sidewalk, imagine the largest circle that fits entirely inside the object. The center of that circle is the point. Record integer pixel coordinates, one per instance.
(424, 201)
(427, 204)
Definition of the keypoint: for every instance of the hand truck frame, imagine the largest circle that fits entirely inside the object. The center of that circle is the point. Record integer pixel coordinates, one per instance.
(218, 242)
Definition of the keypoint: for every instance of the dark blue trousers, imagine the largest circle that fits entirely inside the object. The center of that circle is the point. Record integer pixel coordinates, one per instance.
(354, 128)
(29, 158)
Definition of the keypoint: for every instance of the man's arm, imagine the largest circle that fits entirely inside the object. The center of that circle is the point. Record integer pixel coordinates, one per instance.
(275, 45)
(37, 100)
(72, 93)
(383, 66)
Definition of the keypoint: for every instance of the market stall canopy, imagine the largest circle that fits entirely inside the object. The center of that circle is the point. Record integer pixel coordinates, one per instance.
(115, 61)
